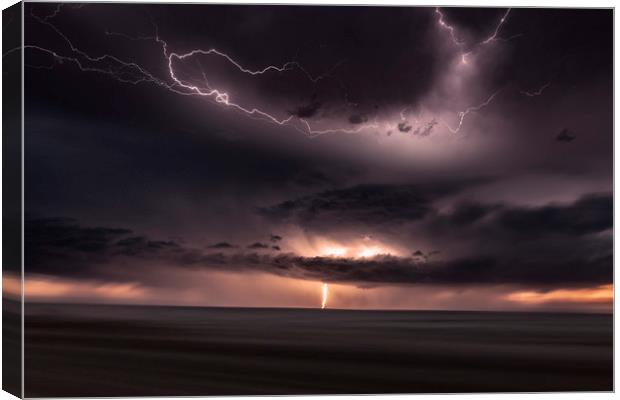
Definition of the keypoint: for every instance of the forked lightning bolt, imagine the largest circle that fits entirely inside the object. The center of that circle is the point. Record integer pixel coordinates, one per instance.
(534, 93)
(497, 28)
(461, 43)
(462, 114)
(449, 28)
(134, 73)
(131, 72)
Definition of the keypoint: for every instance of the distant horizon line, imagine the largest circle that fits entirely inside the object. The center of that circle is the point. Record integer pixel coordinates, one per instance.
(318, 308)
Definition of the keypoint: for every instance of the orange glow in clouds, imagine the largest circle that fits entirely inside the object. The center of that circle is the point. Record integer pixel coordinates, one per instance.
(354, 250)
(40, 287)
(599, 294)
(334, 251)
(354, 246)
(371, 251)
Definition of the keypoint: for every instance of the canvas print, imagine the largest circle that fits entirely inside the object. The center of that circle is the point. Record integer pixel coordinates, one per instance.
(279, 199)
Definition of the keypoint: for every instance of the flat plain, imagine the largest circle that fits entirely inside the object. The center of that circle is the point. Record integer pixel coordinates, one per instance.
(115, 350)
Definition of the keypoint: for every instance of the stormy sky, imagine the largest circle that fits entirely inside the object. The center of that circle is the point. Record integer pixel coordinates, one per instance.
(244, 155)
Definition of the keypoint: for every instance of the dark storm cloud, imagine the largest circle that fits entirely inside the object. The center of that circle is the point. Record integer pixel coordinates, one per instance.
(368, 55)
(61, 245)
(313, 178)
(275, 238)
(549, 271)
(559, 233)
(307, 110)
(356, 119)
(65, 232)
(589, 214)
(426, 129)
(565, 136)
(222, 245)
(340, 50)
(258, 245)
(370, 204)
(563, 248)
(404, 127)
(141, 245)
(470, 212)
(482, 270)
(136, 242)
(113, 156)
(565, 238)
(593, 213)
(567, 46)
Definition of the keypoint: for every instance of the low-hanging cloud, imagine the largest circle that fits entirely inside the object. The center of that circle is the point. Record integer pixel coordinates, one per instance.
(368, 204)
(62, 247)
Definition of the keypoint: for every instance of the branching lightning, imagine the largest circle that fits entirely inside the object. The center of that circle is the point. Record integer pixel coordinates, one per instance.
(537, 92)
(497, 28)
(461, 43)
(462, 114)
(463, 56)
(53, 14)
(449, 28)
(133, 73)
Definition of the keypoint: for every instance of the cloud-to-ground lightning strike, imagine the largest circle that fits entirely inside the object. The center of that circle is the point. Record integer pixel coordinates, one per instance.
(325, 292)
(537, 92)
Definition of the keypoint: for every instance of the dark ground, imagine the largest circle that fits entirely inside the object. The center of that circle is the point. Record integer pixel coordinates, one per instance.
(95, 350)
(11, 345)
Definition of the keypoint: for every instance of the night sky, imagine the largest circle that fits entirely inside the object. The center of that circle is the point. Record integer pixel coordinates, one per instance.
(244, 155)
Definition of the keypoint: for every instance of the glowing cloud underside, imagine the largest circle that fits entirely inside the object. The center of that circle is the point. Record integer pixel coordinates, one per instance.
(599, 294)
